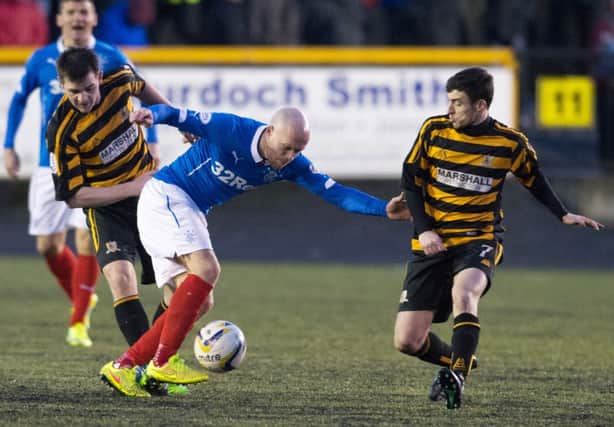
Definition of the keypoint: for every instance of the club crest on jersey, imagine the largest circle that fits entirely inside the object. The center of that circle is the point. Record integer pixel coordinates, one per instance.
(488, 161)
(204, 117)
(270, 176)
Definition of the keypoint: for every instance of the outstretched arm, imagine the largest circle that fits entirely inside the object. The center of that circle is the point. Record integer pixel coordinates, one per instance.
(348, 198)
(185, 120)
(543, 191)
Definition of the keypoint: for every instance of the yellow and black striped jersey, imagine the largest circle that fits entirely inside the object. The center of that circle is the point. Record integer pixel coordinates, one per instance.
(100, 148)
(460, 174)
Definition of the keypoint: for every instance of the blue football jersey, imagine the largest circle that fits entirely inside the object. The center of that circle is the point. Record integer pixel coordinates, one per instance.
(225, 162)
(40, 72)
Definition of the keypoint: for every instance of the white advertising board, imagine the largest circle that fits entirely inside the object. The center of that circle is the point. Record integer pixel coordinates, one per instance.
(363, 118)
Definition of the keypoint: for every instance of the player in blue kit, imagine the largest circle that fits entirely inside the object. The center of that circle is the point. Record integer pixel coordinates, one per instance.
(51, 219)
(234, 155)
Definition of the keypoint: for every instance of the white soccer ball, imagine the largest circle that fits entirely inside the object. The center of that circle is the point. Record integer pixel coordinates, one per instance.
(220, 346)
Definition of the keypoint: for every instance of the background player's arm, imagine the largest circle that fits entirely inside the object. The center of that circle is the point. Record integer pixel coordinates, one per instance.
(15, 116)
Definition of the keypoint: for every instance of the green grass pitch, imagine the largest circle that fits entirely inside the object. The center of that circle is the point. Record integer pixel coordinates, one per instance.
(320, 353)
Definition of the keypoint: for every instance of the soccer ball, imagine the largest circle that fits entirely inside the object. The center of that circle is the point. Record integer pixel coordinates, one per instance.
(220, 346)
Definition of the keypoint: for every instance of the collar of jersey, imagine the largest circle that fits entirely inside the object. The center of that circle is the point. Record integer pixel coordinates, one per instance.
(62, 48)
(478, 130)
(254, 146)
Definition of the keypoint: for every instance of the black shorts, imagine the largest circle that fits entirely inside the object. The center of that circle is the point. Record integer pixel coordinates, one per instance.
(429, 279)
(116, 237)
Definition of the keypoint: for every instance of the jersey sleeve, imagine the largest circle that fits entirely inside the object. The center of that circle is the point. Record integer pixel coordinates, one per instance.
(526, 168)
(138, 83)
(198, 123)
(347, 198)
(64, 161)
(415, 171)
(416, 164)
(28, 83)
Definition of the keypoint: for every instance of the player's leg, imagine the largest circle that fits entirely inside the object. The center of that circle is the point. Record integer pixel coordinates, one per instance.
(115, 240)
(146, 348)
(129, 312)
(421, 299)
(83, 286)
(59, 258)
(167, 294)
(49, 223)
(191, 299)
(469, 284)
(474, 265)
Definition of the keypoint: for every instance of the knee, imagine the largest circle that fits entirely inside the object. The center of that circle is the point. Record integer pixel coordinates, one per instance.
(83, 242)
(49, 247)
(121, 278)
(209, 272)
(465, 302)
(408, 342)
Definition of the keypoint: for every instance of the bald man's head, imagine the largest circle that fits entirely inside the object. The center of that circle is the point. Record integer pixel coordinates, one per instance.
(285, 137)
(292, 121)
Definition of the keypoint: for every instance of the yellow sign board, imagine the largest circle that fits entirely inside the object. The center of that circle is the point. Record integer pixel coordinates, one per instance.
(565, 101)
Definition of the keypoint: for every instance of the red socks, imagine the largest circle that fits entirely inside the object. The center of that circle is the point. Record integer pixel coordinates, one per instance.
(180, 316)
(62, 266)
(144, 349)
(83, 286)
(169, 330)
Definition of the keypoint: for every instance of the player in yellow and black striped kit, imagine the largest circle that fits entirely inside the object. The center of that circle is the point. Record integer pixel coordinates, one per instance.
(100, 161)
(453, 177)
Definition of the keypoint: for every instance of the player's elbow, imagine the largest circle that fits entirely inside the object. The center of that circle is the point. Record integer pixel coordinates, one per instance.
(74, 202)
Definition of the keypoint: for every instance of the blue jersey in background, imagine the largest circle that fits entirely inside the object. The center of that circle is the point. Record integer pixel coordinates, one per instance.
(41, 73)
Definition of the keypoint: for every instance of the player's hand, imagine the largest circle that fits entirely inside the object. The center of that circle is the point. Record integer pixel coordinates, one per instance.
(11, 162)
(573, 219)
(142, 116)
(189, 138)
(431, 242)
(397, 208)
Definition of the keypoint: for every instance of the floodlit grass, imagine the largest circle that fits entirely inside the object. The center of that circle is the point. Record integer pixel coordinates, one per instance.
(320, 353)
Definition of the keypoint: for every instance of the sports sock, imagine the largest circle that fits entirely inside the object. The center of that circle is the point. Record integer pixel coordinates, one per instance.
(131, 318)
(62, 266)
(435, 351)
(181, 315)
(83, 286)
(144, 349)
(162, 307)
(465, 337)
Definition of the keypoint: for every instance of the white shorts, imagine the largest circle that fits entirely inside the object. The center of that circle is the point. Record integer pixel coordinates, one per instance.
(170, 224)
(47, 215)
